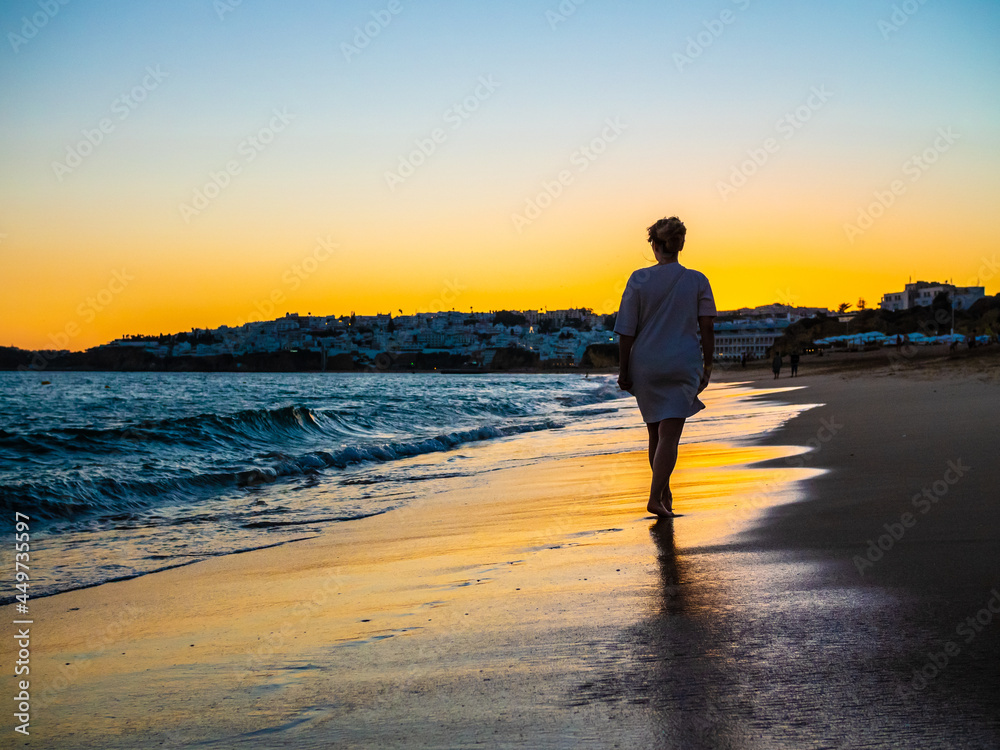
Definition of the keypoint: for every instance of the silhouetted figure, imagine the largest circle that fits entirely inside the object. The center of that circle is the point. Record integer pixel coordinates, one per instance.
(666, 342)
(743, 359)
(794, 362)
(776, 365)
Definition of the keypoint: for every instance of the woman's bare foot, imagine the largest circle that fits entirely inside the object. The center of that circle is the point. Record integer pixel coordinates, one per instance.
(667, 502)
(661, 512)
(662, 509)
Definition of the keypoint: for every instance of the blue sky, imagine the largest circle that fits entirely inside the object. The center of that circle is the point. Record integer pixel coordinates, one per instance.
(687, 126)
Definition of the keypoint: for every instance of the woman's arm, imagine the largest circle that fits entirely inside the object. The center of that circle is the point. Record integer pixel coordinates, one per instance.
(624, 352)
(706, 324)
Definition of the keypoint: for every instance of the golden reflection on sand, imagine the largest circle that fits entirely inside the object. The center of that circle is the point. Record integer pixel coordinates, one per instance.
(508, 558)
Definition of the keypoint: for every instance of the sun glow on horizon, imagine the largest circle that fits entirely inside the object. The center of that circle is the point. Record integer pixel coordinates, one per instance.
(169, 169)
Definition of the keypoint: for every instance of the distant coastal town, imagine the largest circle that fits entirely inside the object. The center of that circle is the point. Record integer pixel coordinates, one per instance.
(924, 312)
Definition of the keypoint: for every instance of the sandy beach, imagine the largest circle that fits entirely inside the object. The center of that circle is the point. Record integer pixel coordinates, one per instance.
(541, 607)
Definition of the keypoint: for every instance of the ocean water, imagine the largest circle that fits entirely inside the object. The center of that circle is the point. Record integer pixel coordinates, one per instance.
(127, 473)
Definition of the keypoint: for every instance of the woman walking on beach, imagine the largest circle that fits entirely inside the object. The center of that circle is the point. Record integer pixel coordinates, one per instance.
(776, 365)
(666, 343)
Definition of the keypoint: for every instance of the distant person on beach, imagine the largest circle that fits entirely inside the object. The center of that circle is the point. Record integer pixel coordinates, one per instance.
(776, 365)
(794, 362)
(743, 359)
(666, 344)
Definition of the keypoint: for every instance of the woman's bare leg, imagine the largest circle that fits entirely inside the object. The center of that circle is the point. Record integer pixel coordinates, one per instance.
(654, 438)
(663, 459)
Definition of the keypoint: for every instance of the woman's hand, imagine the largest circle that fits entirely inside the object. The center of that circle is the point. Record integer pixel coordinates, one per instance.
(624, 357)
(706, 375)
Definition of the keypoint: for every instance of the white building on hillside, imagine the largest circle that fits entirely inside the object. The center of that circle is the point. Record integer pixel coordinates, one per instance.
(734, 338)
(774, 312)
(922, 293)
(752, 331)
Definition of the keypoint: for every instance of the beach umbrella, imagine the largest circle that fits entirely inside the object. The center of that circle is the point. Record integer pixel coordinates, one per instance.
(871, 336)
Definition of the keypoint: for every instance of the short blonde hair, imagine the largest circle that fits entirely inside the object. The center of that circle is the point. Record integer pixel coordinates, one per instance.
(668, 234)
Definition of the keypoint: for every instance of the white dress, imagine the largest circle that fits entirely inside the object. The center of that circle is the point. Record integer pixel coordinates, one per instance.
(660, 307)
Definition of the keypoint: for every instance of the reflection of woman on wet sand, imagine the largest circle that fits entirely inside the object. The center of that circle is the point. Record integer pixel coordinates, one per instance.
(666, 342)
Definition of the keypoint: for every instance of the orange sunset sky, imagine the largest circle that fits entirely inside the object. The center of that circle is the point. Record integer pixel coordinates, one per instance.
(176, 165)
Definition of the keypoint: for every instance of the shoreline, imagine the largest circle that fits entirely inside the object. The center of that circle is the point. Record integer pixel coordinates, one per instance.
(502, 612)
(728, 369)
(909, 508)
(396, 589)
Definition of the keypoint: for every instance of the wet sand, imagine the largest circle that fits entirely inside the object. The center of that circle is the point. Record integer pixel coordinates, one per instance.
(541, 607)
(908, 515)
